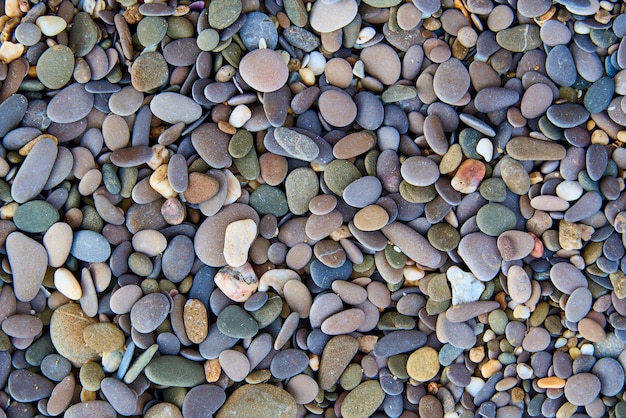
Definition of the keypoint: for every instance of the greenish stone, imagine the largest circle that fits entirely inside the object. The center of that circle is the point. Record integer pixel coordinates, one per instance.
(140, 264)
(603, 38)
(553, 324)
(269, 312)
(611, 169)
(83, 35)
(232, 54)
(363, 400)
(175, 396)
(549, 129)
(258, 376)
(351, 376)
(417, 194)
(520, 38)
(370, 160)
(443, 237)
(223, 13)
(140, 363)
(262, 400)
(91, 375)
(5, 342)
(468, 139)
(179, 27)
(38, 350)
(497, 321)
(620, 409)
(128, 178)
(110, 179)
(350, 35)
(240, 144)
(368, 263)
(234, 322)
(396, 258)
(339, 174)
(507, 358)
(448, 354)
(398, 92)
(269, 200)
(493, 189)
(5, 192)
(433, 307)
(208, 39)
(151, 30)
(296, 12)
(494, 218)
(35, 216)
(397, 365)
(539, 314)
(586, 183)
(175, 371)
(301, 185)
(393, 321)
(438, 288)
(115, 75)
(248, 165)
(91, 219)
(56, 66)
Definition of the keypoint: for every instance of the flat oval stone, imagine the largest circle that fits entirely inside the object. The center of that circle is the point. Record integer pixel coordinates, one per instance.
(234, 322)
(578, 304)
(223, 13)
(260, 400)
(412, 244)
(288, 363)
(611, 375)
(90, 246)
(567, 115)
(55, 67)
(491, 99)
(174, 108)
(149, 71)
(26, 386)
(22, 326)
(34, 171)
(582, 388)
(174, 371)
(382, 62)
(560, 66)
(525, 148)
(122, 398)
(328, 17)
(203, 399)
(480, 252)
(337, 354)
(363, 400)
(567, 278)
(520, 38)
(363, 192)
(296, 144)
(451, 81)
(494, 219)
(398, 342)
(419, 171)
(149, 312)
(337, 107)
(264, 70)
(28, 261)
(71, 104)
(371, 218)
(343, 322)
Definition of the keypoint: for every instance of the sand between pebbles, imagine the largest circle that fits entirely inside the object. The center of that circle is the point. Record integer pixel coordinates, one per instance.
(289, 208)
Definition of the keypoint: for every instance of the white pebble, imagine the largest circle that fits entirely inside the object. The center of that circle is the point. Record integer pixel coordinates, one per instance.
(485, 148)
(587, 349)
(560, 342)
(524, 371)
(51, 25)
(475, 385)
(239, 116)
(489, 335)
(581, 28)
(66, 283)
(365, 35)
(521, 312)
(569, 190)
(316, 62)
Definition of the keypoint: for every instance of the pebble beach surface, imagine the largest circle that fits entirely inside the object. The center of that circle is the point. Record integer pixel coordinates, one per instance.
(290, 208)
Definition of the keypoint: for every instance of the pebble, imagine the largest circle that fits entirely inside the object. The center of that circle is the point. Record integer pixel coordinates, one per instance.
(262, 399)
(582, 388)
(174, 371)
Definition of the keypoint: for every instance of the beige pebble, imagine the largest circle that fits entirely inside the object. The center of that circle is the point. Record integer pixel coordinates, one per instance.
(552, 382)
(10, 51)
(238, 238)
(371, 218)
(233, 188)
(66, 283)
(196, 321)
(276, 279)
(58, 241)
(160, 183)
(90, 182)
(239, 116)
(149, 242)
(51, 25)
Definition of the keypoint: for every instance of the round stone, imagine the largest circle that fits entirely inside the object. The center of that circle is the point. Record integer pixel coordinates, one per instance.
(55, 66)
(423, 364)
(149, 312)
(264, 70)
(582, 388)
(149, 72)
(451, 81)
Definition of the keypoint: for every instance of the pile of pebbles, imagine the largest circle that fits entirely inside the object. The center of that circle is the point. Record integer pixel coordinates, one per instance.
(299, 208)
